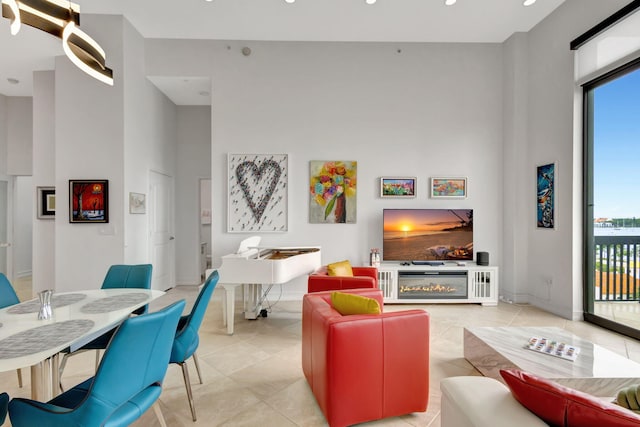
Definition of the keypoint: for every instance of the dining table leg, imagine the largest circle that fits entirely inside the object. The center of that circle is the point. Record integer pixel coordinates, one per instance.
(45, 379)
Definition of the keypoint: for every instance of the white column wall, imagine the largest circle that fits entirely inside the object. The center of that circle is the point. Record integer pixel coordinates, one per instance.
(193, 163)
(44, 254)
(89, 138)
(19, 135)
(555, 256)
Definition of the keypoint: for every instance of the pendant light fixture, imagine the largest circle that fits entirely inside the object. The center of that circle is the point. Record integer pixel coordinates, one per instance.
(60, 18)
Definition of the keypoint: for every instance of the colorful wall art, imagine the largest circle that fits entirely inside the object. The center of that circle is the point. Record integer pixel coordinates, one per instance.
(88, 201)
(450, 188)
(545, 185)
(258, 189)
(332, 195)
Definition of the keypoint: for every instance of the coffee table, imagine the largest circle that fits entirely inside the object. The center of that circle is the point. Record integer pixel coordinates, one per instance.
(596, 370)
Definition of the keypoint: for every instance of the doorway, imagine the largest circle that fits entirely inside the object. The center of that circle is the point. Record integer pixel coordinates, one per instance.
(161, 230)
(612, 209)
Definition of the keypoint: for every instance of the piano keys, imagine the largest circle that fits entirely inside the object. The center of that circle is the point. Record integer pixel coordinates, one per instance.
(253, 266)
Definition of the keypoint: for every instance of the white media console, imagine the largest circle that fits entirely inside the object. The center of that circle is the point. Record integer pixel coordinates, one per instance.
(448, 283)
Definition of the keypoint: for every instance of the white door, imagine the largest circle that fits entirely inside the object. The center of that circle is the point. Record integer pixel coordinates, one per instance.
(161, 236)
(5, 243)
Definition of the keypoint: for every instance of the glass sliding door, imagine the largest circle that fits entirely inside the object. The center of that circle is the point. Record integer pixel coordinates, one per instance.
(612, 200)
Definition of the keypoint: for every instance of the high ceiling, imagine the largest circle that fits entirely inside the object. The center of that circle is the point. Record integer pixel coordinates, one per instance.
(475, 21)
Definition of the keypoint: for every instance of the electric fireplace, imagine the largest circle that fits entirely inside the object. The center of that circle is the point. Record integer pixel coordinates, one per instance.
(432, 285)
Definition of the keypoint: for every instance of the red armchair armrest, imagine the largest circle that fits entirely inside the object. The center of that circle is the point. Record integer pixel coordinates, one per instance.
(363, 277)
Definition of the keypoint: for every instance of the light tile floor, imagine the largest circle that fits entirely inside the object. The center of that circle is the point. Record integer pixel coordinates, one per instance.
(255, 378)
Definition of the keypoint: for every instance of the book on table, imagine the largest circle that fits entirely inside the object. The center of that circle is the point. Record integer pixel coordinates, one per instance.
(553, 348)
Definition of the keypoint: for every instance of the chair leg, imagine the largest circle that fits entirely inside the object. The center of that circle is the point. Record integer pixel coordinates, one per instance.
(187, 384)
(158, 412)
(19, 372)
(195, 361)
(63, 364)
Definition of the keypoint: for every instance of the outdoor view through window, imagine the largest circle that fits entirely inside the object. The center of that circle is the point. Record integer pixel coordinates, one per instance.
(615, 115)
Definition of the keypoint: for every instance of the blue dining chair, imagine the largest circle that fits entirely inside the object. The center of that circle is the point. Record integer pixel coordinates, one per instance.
(118, 276)
(186, 340)
(4, 406)
(128, 381)
(9, 297)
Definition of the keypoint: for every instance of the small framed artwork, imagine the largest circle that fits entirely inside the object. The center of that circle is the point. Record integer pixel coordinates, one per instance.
(137, 203)
(450, 188)
(546, 192)
(398, 186)
(46, 202)
(88, 200)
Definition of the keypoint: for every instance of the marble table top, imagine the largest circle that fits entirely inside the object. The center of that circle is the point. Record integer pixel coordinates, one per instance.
(596, 369)
(78, 318)
(42, 337)
(33, 306)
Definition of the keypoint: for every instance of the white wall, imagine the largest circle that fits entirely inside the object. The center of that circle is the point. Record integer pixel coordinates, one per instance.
(89, 135)
(556, 255)
(193, 163)
(3, 135)
(43, 262)
(429, 110)
(22, 226)
(149, 141)
(19, 135)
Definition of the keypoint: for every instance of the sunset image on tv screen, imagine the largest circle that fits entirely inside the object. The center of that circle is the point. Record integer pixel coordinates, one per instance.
(427, 234)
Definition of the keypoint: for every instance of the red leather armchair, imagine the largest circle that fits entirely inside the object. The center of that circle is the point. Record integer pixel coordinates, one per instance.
(364, 367)
(363, 277)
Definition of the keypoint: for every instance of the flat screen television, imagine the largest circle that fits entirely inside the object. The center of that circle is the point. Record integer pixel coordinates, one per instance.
(427, 234)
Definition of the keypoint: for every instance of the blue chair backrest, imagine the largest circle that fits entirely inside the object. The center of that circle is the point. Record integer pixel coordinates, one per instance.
(7, 294)
(4, 405)
(137, 357)
(186, 341)
(128, 276)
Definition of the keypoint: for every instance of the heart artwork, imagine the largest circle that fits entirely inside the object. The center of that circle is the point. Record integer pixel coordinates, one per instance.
(258, 184)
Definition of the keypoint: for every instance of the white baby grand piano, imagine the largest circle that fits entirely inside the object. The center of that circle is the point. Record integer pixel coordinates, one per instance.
(253, 266)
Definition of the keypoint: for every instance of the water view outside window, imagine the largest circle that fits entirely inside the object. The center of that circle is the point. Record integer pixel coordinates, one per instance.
(615, 155)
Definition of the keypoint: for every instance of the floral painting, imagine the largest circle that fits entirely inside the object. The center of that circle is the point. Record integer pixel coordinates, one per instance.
(332, 191)
(258, 187)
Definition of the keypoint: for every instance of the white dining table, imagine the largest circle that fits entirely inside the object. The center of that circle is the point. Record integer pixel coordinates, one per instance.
(78, 318)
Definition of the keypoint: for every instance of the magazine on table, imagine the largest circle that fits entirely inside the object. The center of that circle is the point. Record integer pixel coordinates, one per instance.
(553, 348)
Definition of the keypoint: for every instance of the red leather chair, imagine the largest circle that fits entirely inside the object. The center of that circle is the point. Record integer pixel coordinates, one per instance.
(364, 367)
(363, 277)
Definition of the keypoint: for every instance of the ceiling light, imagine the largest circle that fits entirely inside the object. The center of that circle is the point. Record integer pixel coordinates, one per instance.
(289, 1)
(450, 2)
(370, 1)
(60, 18)
(528, 2)
(85, 53)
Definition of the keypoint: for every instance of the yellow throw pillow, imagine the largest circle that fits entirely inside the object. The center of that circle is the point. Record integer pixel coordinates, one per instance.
(342, 268)
(347, 304)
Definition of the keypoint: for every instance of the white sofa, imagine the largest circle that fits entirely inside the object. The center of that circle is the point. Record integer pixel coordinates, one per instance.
(482, 402)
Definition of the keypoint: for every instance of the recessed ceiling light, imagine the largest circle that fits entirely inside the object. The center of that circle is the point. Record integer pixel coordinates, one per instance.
(13, 81)
(450, 2)
(289, 1)
(208, 1)
(528, 2)
(370, 1)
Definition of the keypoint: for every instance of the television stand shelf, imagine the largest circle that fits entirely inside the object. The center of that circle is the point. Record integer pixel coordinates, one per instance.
(448, 283)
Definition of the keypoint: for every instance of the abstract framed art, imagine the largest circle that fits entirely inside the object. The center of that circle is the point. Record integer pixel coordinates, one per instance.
(258, 193)
(546, 196)
(404, 187)
(332, 186)
(46, 202)
(449, 188)
(88, 200)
